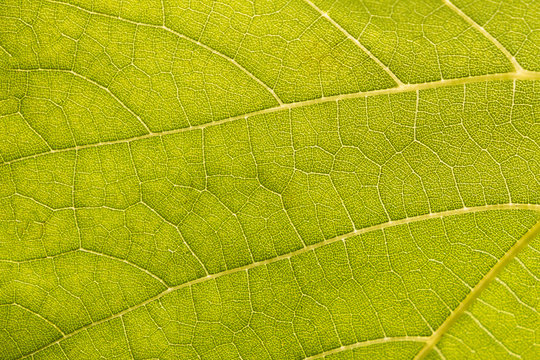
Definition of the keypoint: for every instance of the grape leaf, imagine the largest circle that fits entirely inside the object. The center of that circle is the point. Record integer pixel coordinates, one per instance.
(300, 179)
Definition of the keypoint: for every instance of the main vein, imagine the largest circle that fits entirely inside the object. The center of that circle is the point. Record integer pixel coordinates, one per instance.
(343, 237)
(521, 75)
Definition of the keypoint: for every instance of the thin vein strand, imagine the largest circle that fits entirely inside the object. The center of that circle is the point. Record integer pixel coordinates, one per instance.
(180, 35)
(369, 343)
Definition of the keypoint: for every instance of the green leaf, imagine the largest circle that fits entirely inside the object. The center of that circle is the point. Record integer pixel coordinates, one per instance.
(285, 179)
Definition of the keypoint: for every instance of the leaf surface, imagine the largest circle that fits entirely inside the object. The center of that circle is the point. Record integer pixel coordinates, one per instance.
(295, 179)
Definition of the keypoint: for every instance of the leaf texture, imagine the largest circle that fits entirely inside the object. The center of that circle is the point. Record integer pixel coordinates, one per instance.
(299, 179)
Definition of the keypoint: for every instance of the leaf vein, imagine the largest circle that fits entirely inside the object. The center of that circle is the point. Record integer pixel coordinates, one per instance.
(180, 35)
(485, 33)
(356, 42)
(477, 290)
(507, 257)
(525, 75)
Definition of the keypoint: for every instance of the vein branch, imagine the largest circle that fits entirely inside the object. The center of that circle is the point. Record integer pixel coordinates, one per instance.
(369, 343)
(438, 215)
(357, 43)
(38, 315)
(483, 31)
(180, 35)
(97, 84)
(523, 75)
(477, 290)
(131, 264)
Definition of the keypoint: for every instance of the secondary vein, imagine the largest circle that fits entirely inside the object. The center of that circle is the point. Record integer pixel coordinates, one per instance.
(486, 34)
(382, 226)
(522, 75)
(357, 43)
(477, 290)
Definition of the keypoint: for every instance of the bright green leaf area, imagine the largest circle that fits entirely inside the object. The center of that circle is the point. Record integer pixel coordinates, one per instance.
(285, 179)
